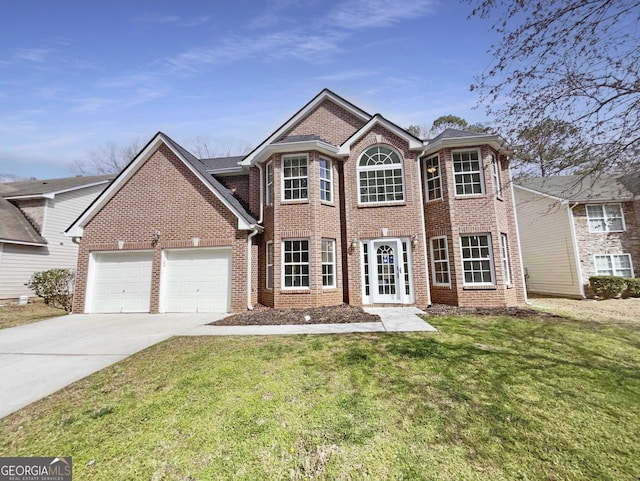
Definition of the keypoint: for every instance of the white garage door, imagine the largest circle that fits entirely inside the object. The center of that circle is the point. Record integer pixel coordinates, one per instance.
(121, 282)
(197, 280)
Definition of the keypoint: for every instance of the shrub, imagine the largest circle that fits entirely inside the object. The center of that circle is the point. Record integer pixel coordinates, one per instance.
(55, 286)
(633, 286)
(607, 287)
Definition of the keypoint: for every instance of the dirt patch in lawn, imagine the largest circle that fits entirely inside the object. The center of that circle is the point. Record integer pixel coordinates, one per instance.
(262, 316)
(619, 311)
(12, 314)
(521, 312)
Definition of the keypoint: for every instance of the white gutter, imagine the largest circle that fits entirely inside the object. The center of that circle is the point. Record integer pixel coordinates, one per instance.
(576, 252)
(260, 168)
(424, 231)
(515, 219)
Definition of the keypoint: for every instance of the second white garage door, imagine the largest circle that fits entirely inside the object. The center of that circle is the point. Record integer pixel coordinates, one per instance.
(197, 280)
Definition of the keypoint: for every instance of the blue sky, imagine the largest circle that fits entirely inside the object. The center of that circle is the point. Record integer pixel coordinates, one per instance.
(77, 74)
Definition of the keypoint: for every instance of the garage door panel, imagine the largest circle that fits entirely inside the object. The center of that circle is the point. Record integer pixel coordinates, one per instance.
(197, 280)
(122, 282)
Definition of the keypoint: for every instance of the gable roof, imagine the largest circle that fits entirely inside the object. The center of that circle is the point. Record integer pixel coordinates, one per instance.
(414, 142)
(50, 187)
(15, 228)
(582, 188)
(245, 220)
(216, 165)
(257, 154)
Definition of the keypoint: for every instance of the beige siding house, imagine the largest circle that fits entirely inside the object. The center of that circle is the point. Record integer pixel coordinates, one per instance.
(33, 216)
(574, 227)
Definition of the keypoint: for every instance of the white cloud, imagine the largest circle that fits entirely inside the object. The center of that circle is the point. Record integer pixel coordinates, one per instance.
(32, 54)
(347, 75)
(161, 19)
(358, 14)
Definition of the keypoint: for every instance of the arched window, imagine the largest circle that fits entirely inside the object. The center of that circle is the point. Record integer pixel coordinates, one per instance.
(380, 175)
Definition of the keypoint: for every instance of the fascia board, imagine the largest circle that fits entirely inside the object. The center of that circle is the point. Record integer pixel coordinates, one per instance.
(414, 144)
(251, 158)
(11, 241)
(533, 191)
(289, 147)
(493, 141)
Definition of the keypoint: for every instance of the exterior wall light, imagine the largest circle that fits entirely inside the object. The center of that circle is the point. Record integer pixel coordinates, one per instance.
(414, 240)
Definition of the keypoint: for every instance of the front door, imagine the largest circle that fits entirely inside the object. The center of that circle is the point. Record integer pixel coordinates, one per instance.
(386, 263)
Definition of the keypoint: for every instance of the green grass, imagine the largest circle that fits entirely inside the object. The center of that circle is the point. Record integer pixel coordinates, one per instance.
(487, 398)
(12, 314)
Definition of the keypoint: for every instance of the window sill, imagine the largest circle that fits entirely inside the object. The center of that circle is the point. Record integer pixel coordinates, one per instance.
(294, 201)
(469, 196)
(328, 204)
(382, 204)
(486, 287)
(296, 291)
(441, 286)
(434, 201)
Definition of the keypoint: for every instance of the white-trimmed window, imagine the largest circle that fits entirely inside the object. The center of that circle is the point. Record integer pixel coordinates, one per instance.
(440, 262)
(295, 263)
(269, 176)
(380, 175)
(467, 169)
(605, 218)
(269, 281)
(506, 266)
(432, 178)
(614, 265)
(328, 263)
(326, 180)
(477, 261)
(295, 177)
(495, 175)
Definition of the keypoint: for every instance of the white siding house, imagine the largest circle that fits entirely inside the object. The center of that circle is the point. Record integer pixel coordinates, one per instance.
(36, 242)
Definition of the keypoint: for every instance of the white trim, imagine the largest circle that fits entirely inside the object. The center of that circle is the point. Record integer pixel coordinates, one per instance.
(380, 167)
(423, 232)
(520, 258)
(23, 243)
(414, 144)
(492, 140)
(604, 213)
(576, 251)
(396, 242)
(44, 217)
(505, 258)
(1, 250)
(76, 229)
(293, 147)
(433, 261)
(480, 172)
(283, 178)
(495, 175)
(283, 285)
(52, 194)
(258, 153)
(527, 189)
(595, 266)
(269, 198)
(491, 259)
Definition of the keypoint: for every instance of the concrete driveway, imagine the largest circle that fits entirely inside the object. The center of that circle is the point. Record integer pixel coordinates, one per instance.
(40, 358)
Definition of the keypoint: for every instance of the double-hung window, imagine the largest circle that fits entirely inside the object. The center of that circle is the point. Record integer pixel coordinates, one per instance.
(605, 218)
(614, 265)
(269, 175)
(295, 177)
(440, 261)
(467, 169)
(295, 262)
(506, 266)
(326, 180)
(433, 179)
(269, 282)
(495, 175)
(380, 175)
(477, 261)
(328, 263)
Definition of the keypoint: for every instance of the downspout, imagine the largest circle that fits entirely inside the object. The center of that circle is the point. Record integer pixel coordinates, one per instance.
(424, 229)
(515, 219)
(251, 236)
(574, 239)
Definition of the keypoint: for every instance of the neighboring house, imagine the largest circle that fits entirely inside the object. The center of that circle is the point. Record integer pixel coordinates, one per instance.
(33, 217)
(574, 227)
(335, 206)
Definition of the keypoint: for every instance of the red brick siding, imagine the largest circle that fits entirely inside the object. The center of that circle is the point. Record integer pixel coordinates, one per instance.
(164, 195)
(239, 185)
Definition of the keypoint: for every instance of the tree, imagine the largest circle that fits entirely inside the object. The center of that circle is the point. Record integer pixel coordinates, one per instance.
(12, 178)
(576, 60)
(552, 147)
(444, 122)
(208, 147)
(110, 158)
(448, 122)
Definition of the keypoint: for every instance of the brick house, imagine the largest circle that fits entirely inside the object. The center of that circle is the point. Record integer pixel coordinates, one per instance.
(575, 227)
(336, 205)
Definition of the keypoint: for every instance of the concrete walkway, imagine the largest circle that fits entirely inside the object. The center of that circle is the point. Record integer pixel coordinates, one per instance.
(40, 358)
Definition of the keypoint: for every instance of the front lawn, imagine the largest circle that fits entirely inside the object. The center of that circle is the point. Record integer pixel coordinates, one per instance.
(493, 398)
(13, 314)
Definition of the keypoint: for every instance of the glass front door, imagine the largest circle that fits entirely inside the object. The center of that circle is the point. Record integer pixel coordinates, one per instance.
(387, 282)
